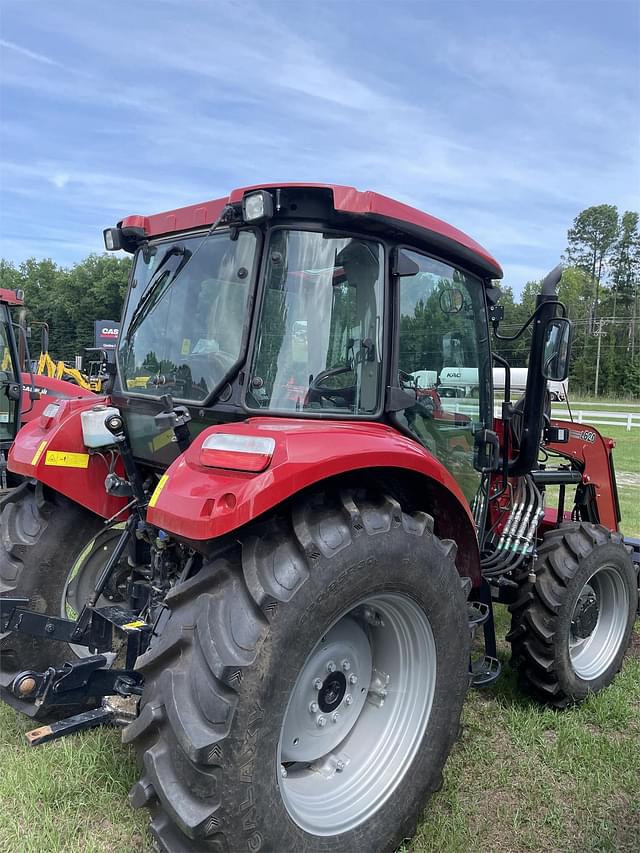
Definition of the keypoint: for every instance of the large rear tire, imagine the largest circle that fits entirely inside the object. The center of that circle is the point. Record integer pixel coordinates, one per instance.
(303, 623)
(42, 534)
(571, 628)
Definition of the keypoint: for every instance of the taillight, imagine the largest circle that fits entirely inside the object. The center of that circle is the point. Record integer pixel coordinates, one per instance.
(237, 452)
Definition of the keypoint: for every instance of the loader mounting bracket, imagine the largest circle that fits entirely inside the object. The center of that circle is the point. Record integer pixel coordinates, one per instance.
(98, 633)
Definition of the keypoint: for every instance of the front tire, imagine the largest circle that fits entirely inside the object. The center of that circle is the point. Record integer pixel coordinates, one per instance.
(42, 536)
(571, 628)
(227, 735)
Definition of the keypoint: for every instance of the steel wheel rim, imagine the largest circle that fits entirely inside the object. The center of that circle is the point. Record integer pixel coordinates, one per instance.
(84, 583)
(592, 656)
(378, 747)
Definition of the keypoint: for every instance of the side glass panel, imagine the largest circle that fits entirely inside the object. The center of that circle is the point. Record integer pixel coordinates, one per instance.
(184, 322)
(444, 361)
(8, 420)
(319, 339)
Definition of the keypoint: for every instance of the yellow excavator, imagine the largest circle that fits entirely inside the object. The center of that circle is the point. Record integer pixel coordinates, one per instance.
(93, 380)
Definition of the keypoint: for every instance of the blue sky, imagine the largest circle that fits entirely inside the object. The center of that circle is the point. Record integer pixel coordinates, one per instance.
(504, 118)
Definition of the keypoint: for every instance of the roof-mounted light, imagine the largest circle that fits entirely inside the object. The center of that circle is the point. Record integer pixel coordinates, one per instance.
(250, 453)
(257, 206)
(112, 239)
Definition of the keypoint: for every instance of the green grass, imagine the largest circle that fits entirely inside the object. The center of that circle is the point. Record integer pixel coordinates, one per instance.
(69, 795)
(626, 454)
(524, 778)
(521, 778)
(629, 497)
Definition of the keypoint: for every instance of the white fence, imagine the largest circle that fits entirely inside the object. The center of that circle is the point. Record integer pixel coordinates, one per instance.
(629, 420)
(605, 415)
(626, 419)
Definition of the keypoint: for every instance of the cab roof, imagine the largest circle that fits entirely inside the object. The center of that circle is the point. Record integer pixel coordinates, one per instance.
(11, 297)
(346, 200)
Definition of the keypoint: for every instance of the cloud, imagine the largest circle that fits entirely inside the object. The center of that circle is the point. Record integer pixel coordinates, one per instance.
(463, 115)
(30, 54)
(60, 179)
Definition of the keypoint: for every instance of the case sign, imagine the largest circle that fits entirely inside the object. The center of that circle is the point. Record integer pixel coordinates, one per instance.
(107, 333)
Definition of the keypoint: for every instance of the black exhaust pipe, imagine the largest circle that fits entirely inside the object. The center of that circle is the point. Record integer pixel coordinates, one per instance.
(527, 459)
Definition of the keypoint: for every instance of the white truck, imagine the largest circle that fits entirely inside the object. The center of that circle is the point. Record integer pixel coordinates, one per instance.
(463, 382)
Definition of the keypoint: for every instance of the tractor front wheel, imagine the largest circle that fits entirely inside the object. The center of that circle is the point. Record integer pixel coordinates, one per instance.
(51, 551)
(307, 688)
(570, 629)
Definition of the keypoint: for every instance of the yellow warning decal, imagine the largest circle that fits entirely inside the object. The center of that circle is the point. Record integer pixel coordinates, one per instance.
(162, 482)
(38, 453)
(131, 626)
(161, 440)
(62, 459)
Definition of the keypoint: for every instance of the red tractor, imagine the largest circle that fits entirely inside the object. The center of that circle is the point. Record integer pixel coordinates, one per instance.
(24, 399)
(279, 549)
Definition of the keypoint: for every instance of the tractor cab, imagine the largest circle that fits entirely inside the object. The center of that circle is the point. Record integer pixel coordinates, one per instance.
(303, 312)
(10, 388)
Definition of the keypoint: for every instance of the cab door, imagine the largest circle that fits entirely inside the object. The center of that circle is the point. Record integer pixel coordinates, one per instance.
(443, 344)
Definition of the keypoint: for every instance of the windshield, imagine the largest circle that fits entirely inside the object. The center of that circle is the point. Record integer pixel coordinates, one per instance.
(186, 315)
(319, 339)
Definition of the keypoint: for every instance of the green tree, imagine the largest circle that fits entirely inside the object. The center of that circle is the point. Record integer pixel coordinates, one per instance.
(625, 271)
(589, 244)
(68, 300)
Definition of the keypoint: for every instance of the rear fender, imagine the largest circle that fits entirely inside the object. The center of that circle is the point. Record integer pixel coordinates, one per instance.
(199, 503)
(52, 451)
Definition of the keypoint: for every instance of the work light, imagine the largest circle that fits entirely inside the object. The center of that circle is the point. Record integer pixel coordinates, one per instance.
(257, 206)
(112, 239)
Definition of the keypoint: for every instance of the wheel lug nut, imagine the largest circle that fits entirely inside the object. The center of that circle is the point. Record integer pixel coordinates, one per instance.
(313, 707)
(317, 684)
(321, 722)
(348, 699)
(339, 766)
(331, 667)
(346, 666)
(353, 678)
(335, 717)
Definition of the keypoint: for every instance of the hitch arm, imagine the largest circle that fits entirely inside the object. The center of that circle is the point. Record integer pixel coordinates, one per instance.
(76, 682)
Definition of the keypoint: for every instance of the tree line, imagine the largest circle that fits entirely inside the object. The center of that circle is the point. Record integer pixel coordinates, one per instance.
(69, 300)
(600, 287)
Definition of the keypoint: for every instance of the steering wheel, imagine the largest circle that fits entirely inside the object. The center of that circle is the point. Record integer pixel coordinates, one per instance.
(338, 396)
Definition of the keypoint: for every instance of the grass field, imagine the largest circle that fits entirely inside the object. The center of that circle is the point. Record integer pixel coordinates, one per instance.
(521, 778)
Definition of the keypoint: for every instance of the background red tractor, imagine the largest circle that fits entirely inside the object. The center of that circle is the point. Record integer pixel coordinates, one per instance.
(299, 543)
(23, 393)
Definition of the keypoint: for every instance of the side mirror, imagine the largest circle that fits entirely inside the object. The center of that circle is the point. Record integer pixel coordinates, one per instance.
(402, 265)
(556, 350)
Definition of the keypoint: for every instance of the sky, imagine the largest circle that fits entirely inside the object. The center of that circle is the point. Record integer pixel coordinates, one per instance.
(506, 118)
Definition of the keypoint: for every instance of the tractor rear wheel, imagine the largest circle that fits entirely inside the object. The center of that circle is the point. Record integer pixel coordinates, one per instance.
(307, 688)
(571, 628)
(46, 551)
